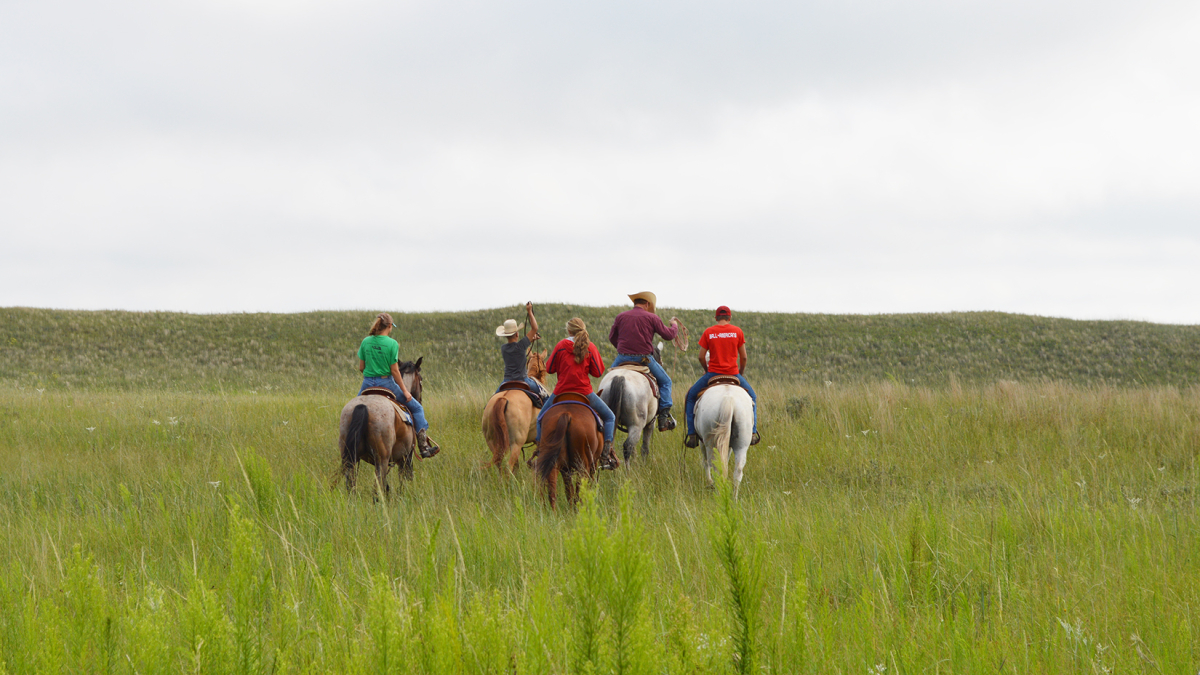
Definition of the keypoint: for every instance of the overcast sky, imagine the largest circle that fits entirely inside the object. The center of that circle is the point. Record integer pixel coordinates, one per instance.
(838, 156)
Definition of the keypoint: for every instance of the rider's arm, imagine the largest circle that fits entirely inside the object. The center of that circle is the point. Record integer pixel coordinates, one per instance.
(742, 358)
(533, 327)
(668, 332)
(612, 334)
(703, 359)
(361, 365)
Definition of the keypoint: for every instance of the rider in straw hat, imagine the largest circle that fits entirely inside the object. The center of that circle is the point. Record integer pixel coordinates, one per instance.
(722, 352)
(632, 334)
(515, 349)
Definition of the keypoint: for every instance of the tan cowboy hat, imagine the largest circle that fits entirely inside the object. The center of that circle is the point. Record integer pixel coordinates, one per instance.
(649, 297)
(509, 328)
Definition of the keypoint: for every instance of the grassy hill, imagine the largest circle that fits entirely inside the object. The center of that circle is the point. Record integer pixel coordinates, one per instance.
(315, 350)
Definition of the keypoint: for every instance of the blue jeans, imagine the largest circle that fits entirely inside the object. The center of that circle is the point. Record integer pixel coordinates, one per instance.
(689, 406)
(606, 415)
(656, 369)
(413, 405)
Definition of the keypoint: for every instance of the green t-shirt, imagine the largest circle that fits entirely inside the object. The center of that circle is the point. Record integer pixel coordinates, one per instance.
(380, 352)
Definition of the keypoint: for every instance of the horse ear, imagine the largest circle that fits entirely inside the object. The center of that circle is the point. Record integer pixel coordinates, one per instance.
(417, 365)
(542, 354)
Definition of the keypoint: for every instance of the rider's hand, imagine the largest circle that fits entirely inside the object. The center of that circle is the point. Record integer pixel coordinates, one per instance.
(529, 307)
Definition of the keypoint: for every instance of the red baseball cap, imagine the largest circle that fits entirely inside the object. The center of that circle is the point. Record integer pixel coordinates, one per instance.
(723, 311)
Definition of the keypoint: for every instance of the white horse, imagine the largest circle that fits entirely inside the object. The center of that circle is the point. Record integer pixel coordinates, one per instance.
(628, 395)
(725, 421)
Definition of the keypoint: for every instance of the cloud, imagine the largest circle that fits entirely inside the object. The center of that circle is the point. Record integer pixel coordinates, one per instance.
(855, 156)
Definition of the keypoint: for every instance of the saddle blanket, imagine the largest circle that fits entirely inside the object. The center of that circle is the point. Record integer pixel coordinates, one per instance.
(599, 422)
(405, 416)
(644, 370)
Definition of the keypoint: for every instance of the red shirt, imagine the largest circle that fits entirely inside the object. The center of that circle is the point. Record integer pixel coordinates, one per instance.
(722, 343)
(573, 377)
(633, 331)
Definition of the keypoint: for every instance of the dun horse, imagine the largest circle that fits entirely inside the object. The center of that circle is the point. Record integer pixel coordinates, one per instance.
(509, 419)
(571, 444)
(627, 392)
(725, 422)
(373, 430)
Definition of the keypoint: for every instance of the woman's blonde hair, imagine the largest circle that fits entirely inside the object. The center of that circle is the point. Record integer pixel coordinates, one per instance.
(577, 329)
(381, 323)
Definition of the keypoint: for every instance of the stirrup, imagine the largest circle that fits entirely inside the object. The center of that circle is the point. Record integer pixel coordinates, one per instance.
(691, 441)
(754, 439)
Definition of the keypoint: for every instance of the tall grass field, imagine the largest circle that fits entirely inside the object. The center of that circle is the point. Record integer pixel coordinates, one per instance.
(940, 494)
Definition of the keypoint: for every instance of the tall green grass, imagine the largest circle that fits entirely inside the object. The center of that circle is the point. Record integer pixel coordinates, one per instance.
(880, 528)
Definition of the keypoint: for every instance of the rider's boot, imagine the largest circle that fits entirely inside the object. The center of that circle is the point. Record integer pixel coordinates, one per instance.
(754, 439)
(427, 445)
(608, 458)
(665, 421)
(692, 440)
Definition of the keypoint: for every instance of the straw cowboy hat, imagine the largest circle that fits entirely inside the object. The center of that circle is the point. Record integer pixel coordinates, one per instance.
(649, 297)
(509, 328)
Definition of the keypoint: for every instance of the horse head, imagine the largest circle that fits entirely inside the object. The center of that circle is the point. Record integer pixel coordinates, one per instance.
(537, 365)
(410, 371)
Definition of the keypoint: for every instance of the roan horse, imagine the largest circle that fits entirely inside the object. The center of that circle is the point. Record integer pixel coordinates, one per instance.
(509, 419)
(372, 431)
(628, 395)
(571, 443)
(724, 422)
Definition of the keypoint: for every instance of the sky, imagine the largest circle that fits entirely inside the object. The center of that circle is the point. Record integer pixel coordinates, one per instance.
(848, 156)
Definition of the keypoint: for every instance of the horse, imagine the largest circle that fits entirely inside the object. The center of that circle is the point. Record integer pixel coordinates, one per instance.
(571, 443)
(510, 420)
(372, 430)
(724, 422)
(628, 394)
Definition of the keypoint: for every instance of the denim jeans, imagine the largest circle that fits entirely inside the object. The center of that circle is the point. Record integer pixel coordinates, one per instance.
(656, 369)
(689, 407)
(413, 405)
(606, 415)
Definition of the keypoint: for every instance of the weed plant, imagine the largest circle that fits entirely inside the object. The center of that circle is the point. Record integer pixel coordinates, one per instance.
(881, 528)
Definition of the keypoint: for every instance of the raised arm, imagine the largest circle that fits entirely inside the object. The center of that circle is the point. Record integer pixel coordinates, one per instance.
(668, 332)
(533, 327)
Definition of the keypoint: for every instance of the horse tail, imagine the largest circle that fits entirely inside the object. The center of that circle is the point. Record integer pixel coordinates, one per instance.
(498, 429)
(356, 436)
(554, 445)
(722, 427)
(616, 395)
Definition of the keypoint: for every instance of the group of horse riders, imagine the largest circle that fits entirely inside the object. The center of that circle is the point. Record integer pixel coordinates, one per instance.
(575, 358)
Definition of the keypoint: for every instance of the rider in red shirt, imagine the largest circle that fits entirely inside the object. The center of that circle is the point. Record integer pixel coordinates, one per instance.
(722, 352)
(573, 359)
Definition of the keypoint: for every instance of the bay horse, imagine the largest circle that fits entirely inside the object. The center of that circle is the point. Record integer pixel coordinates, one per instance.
(571, 444)
(628, 394)
(372, 430)
(510, 420)
(725, 422)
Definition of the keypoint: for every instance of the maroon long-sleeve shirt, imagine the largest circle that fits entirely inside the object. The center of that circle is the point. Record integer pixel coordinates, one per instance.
(633, 331)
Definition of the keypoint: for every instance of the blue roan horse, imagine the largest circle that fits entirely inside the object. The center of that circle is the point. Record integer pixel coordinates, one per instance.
(627, 392)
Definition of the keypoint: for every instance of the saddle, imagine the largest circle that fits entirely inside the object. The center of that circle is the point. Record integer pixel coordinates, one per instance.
(719, 380)
(644, 370)
(518, 385)
(405, 415)
(577, 399)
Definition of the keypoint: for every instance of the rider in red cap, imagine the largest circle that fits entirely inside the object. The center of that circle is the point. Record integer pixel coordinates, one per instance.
(722, 352)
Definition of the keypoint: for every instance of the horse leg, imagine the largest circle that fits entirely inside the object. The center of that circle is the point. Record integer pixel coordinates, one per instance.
(351, 474)
(739, 462)
(707, 464)
(631, 440)
(571, 487)
(552, 487)
(646, 431)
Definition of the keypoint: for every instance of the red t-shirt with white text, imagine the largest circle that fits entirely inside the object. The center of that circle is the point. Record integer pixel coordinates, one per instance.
(722, 343)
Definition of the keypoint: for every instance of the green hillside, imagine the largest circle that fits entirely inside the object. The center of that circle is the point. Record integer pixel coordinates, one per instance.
(315, 350)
